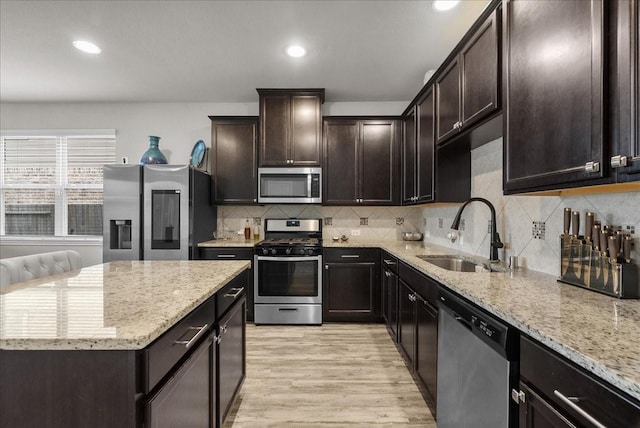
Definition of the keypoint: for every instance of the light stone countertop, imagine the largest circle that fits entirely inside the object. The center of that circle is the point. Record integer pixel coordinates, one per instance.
(122, 305)
(222, 243)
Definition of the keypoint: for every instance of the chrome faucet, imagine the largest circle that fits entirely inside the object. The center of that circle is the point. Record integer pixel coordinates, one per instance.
(495, 237)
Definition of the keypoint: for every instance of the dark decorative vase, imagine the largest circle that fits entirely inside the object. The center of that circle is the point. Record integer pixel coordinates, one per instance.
(153, 155)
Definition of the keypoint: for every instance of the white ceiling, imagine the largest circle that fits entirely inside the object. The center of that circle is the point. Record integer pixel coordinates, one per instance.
(220, 51)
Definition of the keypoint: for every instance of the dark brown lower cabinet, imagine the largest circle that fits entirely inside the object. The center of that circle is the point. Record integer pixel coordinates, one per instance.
(231, 357)
(407, 322)
(184, 400)
(426, 358)
(555, 392)
(390, 294)
(351, 288)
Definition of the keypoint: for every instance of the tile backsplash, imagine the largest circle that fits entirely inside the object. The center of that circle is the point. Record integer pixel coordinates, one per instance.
(372, 223)
(529, 226)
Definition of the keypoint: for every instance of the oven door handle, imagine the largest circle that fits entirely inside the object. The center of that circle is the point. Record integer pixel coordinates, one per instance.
(288, 259)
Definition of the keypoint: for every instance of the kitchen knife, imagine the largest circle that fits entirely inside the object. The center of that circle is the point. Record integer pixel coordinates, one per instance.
(575, 223)
(589, 219)
(613, 247)
(626, 248)
(567, 220)
(595, 236)
(619, 237)
(603, 239)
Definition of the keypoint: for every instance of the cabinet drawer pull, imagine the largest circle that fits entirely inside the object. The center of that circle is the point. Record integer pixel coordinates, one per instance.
(287, 309)
(238, 291)
(350, 256)
(389, 262)
(569, 401)
(226, 256)
(187, 343)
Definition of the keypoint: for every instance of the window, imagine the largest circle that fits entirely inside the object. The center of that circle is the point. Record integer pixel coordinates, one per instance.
(52, 182)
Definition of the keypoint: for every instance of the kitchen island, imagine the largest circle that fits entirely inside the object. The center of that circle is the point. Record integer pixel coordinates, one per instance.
(96, 347)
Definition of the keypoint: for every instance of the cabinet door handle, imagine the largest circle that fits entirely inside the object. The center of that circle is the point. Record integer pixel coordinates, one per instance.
(238, 291)
(389, 262)
(569, 401)
(618, 161)
(187, 343)
(592, 167)
(226, 256)
(350, 256)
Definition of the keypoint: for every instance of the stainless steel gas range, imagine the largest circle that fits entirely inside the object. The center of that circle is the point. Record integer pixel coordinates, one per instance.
(288, 272)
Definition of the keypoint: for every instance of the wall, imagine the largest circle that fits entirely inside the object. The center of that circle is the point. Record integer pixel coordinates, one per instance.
(516, 214)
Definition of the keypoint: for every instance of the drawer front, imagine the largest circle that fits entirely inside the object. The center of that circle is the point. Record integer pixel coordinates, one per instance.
(352, 255)
(560, 381)
(232, 292)
(226, 253)
(389, 262)
(168, 349)
(426, 287)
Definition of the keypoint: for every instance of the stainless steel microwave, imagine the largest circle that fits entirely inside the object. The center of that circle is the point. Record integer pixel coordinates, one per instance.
(289, 185)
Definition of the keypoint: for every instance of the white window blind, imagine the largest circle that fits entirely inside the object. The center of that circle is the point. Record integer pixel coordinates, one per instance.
(52, 184)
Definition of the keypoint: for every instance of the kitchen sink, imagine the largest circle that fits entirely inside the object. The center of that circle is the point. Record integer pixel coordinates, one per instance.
(461, 264)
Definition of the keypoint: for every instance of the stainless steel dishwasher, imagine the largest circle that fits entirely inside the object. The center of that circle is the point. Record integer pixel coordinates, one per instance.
(477, 367)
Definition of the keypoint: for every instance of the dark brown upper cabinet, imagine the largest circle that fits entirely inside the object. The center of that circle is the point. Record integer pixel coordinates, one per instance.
(234, 159)
(554, 94)
(625, 154)
(468, 88)
(418, 151)
(290, 127)
(361, 161)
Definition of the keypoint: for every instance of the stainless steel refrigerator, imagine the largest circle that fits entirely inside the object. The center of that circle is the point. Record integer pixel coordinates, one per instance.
(156, 212)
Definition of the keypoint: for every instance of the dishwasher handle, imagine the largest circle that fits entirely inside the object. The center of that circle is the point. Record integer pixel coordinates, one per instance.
(464, 322)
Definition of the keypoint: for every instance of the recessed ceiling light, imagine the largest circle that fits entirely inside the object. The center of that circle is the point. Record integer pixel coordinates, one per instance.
(87, 47)
(296, 51)
(442, 5)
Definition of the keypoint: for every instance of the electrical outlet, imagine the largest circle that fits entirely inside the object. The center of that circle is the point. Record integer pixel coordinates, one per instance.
(538, 230)
(355, 232)
(462, 225)
(440, 223)
(424, 221)
(489, 226)
(257, 220)
(364, 221)
(399, 221)
(629, 228)
(328, 221)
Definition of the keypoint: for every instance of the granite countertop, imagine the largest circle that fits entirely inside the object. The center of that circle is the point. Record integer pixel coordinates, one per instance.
(122, 305)
(222, 243)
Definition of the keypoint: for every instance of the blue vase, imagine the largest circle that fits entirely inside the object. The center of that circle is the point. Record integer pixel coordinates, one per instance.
(153, 155)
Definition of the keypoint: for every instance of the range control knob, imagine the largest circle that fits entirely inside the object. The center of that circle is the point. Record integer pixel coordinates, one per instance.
(287, 251)
(265, 251)
(310, 252)
(273, 251)
(300, 251)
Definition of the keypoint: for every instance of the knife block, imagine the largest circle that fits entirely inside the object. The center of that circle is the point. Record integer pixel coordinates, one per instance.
(582, 266)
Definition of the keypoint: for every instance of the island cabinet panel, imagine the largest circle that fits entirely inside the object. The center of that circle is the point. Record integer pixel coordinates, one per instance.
(290, 127)
(362, 161)
(185, 401)
(234, 159)
(556, 393)
(351, 286)
(554, 94)
(61, 389)
(231, 356)
(625, 155)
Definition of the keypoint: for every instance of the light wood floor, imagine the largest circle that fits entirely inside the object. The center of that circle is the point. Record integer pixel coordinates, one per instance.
(333, 375)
